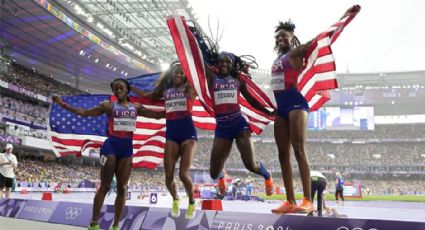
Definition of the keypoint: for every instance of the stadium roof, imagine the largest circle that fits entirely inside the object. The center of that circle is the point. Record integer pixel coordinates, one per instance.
(116, 39)
(99, 40)
(137, 26)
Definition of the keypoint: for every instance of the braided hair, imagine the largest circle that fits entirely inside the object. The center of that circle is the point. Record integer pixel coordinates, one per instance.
(239, 63)
(211, 54)
(290, 27)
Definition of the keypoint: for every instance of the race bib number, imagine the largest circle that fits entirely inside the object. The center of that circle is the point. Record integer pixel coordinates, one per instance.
(278, 82)
(103, 160)
(226, 97)
(124, 124)
(176, 105)
(153, 198)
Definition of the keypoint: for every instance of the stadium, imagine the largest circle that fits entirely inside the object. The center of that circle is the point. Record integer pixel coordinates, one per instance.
(371, 131)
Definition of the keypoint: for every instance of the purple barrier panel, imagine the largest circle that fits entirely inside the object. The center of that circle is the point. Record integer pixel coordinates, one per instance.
(37, 210)
(69, 213)
(160, 219)
(11, 207)
(359, 224)
(131, 218)
(237, 220)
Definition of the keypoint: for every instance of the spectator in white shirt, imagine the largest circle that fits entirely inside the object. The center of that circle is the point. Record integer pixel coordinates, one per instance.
(8, 163)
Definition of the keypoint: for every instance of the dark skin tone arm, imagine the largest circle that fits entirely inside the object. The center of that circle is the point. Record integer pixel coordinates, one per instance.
(156, 94)
(252, 101)
(142, 111)
(296, 55)
(106, 107)
(140, 92)
(103, 107)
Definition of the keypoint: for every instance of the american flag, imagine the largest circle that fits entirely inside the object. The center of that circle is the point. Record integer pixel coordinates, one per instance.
(71, 134)
(193, 62)
(318, 74)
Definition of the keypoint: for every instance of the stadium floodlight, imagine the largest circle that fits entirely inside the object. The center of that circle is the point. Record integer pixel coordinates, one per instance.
(97, 60)
(107, 65)
(164, 66)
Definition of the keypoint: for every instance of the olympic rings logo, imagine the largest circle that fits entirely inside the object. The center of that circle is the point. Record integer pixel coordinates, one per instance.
(71, 213)
(355, 228)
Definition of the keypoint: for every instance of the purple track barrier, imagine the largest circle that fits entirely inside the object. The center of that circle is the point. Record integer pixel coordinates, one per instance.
(79, 214)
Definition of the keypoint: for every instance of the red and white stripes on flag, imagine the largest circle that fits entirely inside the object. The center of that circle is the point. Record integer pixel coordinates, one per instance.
(190, 57)
(148, 138)
(318, 74)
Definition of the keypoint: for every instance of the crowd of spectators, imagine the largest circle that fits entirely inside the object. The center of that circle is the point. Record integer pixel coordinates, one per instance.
(35, 82)
(39, 173)
(368, 186)
(347, 154)
(399, 131)
(23, 110)
(36, 172)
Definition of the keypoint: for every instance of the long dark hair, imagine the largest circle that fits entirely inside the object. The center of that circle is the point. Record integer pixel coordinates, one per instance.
(210, 52)
(290, 27)
(165, 80)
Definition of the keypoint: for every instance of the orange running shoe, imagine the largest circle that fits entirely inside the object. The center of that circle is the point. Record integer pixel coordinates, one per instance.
(286, 208)
(222, 186)
(306, 206)
(269, 185)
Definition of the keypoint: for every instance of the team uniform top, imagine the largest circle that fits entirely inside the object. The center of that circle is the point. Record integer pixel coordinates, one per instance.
(225, 93)
(122, 121)
(178, 104)
(284, 77)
